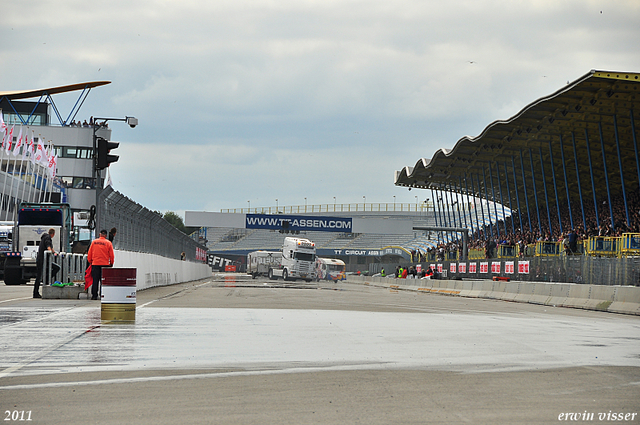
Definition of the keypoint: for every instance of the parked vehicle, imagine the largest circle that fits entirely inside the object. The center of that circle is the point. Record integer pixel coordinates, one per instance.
(330, 269)
(259, 262)
(297, 260)
(19, 264)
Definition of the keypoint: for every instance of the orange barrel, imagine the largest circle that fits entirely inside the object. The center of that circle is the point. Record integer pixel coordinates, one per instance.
(118, 294)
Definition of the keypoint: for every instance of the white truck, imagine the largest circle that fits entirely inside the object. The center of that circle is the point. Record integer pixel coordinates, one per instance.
(19, 264)
(259, 262)
(297, 260)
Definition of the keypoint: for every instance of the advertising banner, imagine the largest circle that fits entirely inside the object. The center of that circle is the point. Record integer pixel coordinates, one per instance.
(299, 223)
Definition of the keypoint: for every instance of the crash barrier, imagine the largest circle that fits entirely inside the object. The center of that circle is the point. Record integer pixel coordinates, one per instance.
(564, 269)
(613, 299)
(152, 270)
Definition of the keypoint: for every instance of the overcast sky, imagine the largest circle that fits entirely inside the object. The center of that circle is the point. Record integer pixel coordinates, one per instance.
(253, 101)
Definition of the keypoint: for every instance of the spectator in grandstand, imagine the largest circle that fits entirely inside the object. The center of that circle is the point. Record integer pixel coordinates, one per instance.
(573, 242)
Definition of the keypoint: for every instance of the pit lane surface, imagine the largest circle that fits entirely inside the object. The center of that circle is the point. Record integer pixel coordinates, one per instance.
(235, 350)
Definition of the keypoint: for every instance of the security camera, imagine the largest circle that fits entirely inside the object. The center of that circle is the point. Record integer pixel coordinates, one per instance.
(132, 121)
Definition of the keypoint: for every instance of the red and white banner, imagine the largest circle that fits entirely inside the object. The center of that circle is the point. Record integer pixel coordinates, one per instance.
(462, 267)
(484, 267)
(452, 267)
(508, 267)
(523, 267)
(495, 267)
(473, 267)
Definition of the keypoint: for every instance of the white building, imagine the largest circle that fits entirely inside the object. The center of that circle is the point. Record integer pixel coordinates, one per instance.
(33, 112)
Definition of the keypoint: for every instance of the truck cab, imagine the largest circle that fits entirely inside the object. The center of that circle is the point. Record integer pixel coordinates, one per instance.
(298, 260)
(33, 220)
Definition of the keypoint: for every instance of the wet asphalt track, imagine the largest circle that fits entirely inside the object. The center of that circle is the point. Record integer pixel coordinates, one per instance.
(235, 350)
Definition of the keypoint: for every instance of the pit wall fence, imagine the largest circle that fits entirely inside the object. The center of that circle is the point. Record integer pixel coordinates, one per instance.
(563, 269)
(613, 299)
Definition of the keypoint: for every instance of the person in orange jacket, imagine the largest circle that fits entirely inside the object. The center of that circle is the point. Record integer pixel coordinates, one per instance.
(100, 255)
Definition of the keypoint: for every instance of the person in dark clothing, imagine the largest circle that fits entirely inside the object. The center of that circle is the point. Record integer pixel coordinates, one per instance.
(573, 242)
(46, 244)
(112, 234)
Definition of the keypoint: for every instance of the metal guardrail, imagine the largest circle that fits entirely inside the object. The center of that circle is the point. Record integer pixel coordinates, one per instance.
(142, 230)
(71, 268)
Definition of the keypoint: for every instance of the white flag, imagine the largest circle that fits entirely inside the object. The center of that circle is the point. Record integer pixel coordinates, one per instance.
(16, 149)
(9, 142)
(30, 148)
(39, 152)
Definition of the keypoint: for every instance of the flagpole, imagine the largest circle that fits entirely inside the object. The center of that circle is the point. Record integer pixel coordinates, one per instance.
(24, 153)
(4, 185)
(32, 183)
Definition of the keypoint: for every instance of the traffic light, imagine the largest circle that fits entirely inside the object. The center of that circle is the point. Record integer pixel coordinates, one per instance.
(104, 158)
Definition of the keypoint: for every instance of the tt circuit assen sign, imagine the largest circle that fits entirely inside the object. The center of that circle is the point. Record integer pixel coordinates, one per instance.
(299, 223)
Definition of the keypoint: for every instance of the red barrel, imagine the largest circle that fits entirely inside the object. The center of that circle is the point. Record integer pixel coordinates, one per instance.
(118, 294)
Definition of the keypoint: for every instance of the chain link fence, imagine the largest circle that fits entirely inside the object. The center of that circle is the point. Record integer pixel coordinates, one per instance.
(142, 230)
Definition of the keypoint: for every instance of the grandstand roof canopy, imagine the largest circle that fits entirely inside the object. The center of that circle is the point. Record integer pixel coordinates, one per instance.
(595, 111)
(27, 94)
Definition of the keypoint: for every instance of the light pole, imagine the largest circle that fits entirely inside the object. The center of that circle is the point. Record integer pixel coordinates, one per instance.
(249, 210)
(277, 208)
(305, 204)
(133, 122)
(364, 203)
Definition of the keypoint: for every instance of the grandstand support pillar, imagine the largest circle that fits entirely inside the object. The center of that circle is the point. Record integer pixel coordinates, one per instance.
(566, 182)
(463, 230)
(479, 227)
(446, 207)
(464, 203)
(457, 207)
(515, 184)
(495, 207)
(524, 186)
(624, 192)
(593, 185)
(606, 177)
(504, 214)
(484, 228)
(436, 207)
(486, 195)
(575, 157)
(506, 179)
(535, 191)
(555, 186)
(635, 143)
(466, 188)
(546, 194)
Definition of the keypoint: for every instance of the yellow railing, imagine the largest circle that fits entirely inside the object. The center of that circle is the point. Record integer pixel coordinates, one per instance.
(629, 245)
(328, 208)
(548, 249)
(476, 254)
(507, 251)
(603, 246)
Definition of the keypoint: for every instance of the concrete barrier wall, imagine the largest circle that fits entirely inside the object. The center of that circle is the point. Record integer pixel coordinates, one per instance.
(614, 299)
(154, 270)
